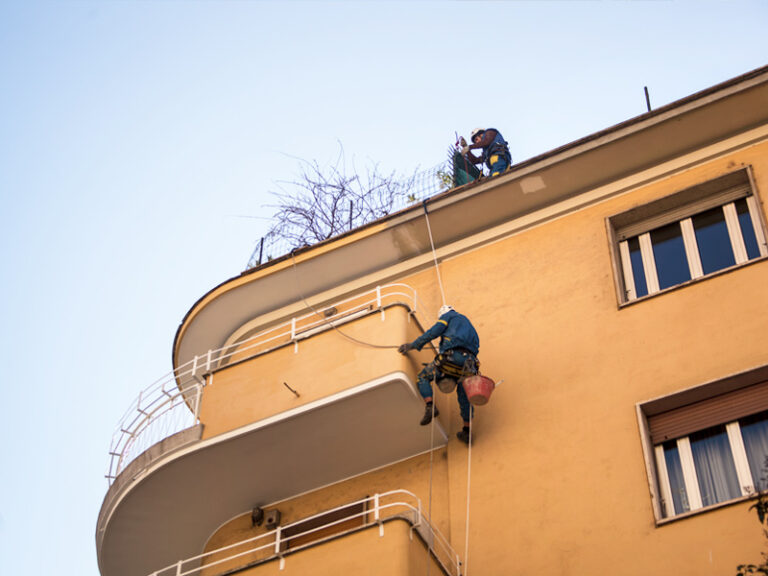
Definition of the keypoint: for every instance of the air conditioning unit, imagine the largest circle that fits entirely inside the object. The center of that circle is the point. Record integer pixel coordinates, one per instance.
(272, 519)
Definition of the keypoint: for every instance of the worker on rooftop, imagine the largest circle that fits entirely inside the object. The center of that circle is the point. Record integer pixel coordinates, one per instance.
(495, 150)
(457, 359)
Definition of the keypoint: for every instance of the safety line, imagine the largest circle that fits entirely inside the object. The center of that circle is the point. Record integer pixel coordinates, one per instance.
(469, 479)
(324, 319)
(431, 460)
(434, 253)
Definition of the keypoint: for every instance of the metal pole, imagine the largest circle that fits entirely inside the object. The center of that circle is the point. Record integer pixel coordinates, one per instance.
(199, 389)
(647, 98)
(261, 249)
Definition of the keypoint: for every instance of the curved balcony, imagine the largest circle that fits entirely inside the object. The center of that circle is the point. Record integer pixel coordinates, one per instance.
(351, 408)
(172, 403)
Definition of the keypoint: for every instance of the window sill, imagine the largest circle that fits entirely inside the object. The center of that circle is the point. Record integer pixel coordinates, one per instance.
(704, 510)
(694, 281)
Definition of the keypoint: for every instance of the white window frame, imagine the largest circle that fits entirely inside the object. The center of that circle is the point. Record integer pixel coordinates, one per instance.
(691, 249)
(722, 192)
(690, 479)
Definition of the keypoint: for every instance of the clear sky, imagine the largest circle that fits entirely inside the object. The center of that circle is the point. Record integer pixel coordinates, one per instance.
(135, 135)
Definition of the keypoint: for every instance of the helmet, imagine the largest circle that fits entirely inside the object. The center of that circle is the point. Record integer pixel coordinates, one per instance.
(444, 309)
(476, 132)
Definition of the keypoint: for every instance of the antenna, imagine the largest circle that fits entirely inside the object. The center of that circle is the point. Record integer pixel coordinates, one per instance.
(647, 98)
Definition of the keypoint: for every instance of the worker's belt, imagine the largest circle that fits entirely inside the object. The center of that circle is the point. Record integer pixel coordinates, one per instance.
(446, 365)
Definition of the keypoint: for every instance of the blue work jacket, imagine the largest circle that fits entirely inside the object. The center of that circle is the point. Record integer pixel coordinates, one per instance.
(455, 331)
(498, 146)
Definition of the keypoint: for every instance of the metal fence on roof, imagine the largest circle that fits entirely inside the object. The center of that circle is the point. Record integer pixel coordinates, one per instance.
(452, 172)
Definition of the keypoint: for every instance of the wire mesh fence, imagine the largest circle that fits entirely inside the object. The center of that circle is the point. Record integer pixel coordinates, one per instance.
(292, 233)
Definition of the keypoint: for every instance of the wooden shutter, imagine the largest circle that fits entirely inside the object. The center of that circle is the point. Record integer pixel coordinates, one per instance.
(713, 411)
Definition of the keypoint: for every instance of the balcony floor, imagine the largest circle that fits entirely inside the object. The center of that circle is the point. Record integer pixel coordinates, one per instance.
(169, 510)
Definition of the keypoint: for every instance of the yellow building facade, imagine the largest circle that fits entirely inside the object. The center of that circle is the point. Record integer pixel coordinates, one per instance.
(618, 288)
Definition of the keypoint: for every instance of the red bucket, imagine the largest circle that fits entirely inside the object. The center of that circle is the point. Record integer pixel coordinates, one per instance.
(478, 389)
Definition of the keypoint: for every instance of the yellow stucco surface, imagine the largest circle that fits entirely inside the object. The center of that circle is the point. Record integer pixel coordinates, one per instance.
(322, 365)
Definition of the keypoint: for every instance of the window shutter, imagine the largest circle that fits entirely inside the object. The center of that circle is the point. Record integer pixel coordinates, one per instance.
(677, 214)
(694, 200)
(728, 407)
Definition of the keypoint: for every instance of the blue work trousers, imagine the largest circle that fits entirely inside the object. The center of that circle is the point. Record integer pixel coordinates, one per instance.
(498, 164)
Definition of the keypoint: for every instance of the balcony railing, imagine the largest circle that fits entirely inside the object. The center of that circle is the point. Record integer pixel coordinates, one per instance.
(172, 403)
(275, 544)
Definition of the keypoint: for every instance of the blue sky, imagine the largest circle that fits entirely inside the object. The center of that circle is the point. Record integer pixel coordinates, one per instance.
(134, 135)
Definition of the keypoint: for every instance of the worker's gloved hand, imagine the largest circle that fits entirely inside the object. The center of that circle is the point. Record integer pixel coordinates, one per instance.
(464, 150)
(404, 348)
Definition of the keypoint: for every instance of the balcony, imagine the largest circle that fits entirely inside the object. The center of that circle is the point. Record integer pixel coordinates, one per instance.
(349, 534)
(275, 413)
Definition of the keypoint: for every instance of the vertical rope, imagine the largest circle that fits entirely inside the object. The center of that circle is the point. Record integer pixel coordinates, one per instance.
(434, 253)
(431, 465)
(469, 478)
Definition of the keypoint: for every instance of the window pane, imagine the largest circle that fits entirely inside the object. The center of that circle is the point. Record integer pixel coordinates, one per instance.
(669, 252)
(714, 466)
(747, 230)
(714, 242)
(676, 482)
(638, 272)
(754, 431)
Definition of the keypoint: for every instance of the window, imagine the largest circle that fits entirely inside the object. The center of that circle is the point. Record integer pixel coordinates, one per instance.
(325, 525)
(709, 445)
(689, 235)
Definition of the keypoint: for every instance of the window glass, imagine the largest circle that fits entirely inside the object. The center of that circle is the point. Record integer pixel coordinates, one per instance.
(714, 466)
(747, 230)
(713, 240)
(754, 431)
(638, 273)
(676, 482)
(669, 253)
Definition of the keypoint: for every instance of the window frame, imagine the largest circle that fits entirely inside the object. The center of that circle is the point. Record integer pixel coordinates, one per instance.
(707, 395)
(639, 222)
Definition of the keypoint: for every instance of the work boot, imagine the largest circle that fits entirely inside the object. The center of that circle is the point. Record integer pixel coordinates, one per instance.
(463, 435)
(427, 418)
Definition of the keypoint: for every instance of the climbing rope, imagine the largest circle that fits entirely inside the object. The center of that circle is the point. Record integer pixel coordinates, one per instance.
(325, 320)
(469, 479)
(434, 252)
(431, 462)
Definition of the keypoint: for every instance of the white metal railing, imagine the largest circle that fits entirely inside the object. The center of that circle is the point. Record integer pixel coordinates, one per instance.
(172, 403)
(274, 544)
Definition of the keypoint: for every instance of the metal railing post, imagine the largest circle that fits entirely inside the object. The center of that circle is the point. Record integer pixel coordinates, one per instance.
(194, 367)
(199, 390)
(208, 361)
(277, 539)
(178, 568)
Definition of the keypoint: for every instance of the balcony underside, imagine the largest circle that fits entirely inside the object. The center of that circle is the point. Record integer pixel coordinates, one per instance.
(170, 509)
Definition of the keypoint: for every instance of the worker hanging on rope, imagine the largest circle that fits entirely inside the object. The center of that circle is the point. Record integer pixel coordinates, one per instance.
(495, 150)
(457, 359)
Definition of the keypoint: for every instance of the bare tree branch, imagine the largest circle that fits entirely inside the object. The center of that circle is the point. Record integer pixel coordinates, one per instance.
(323, 202)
